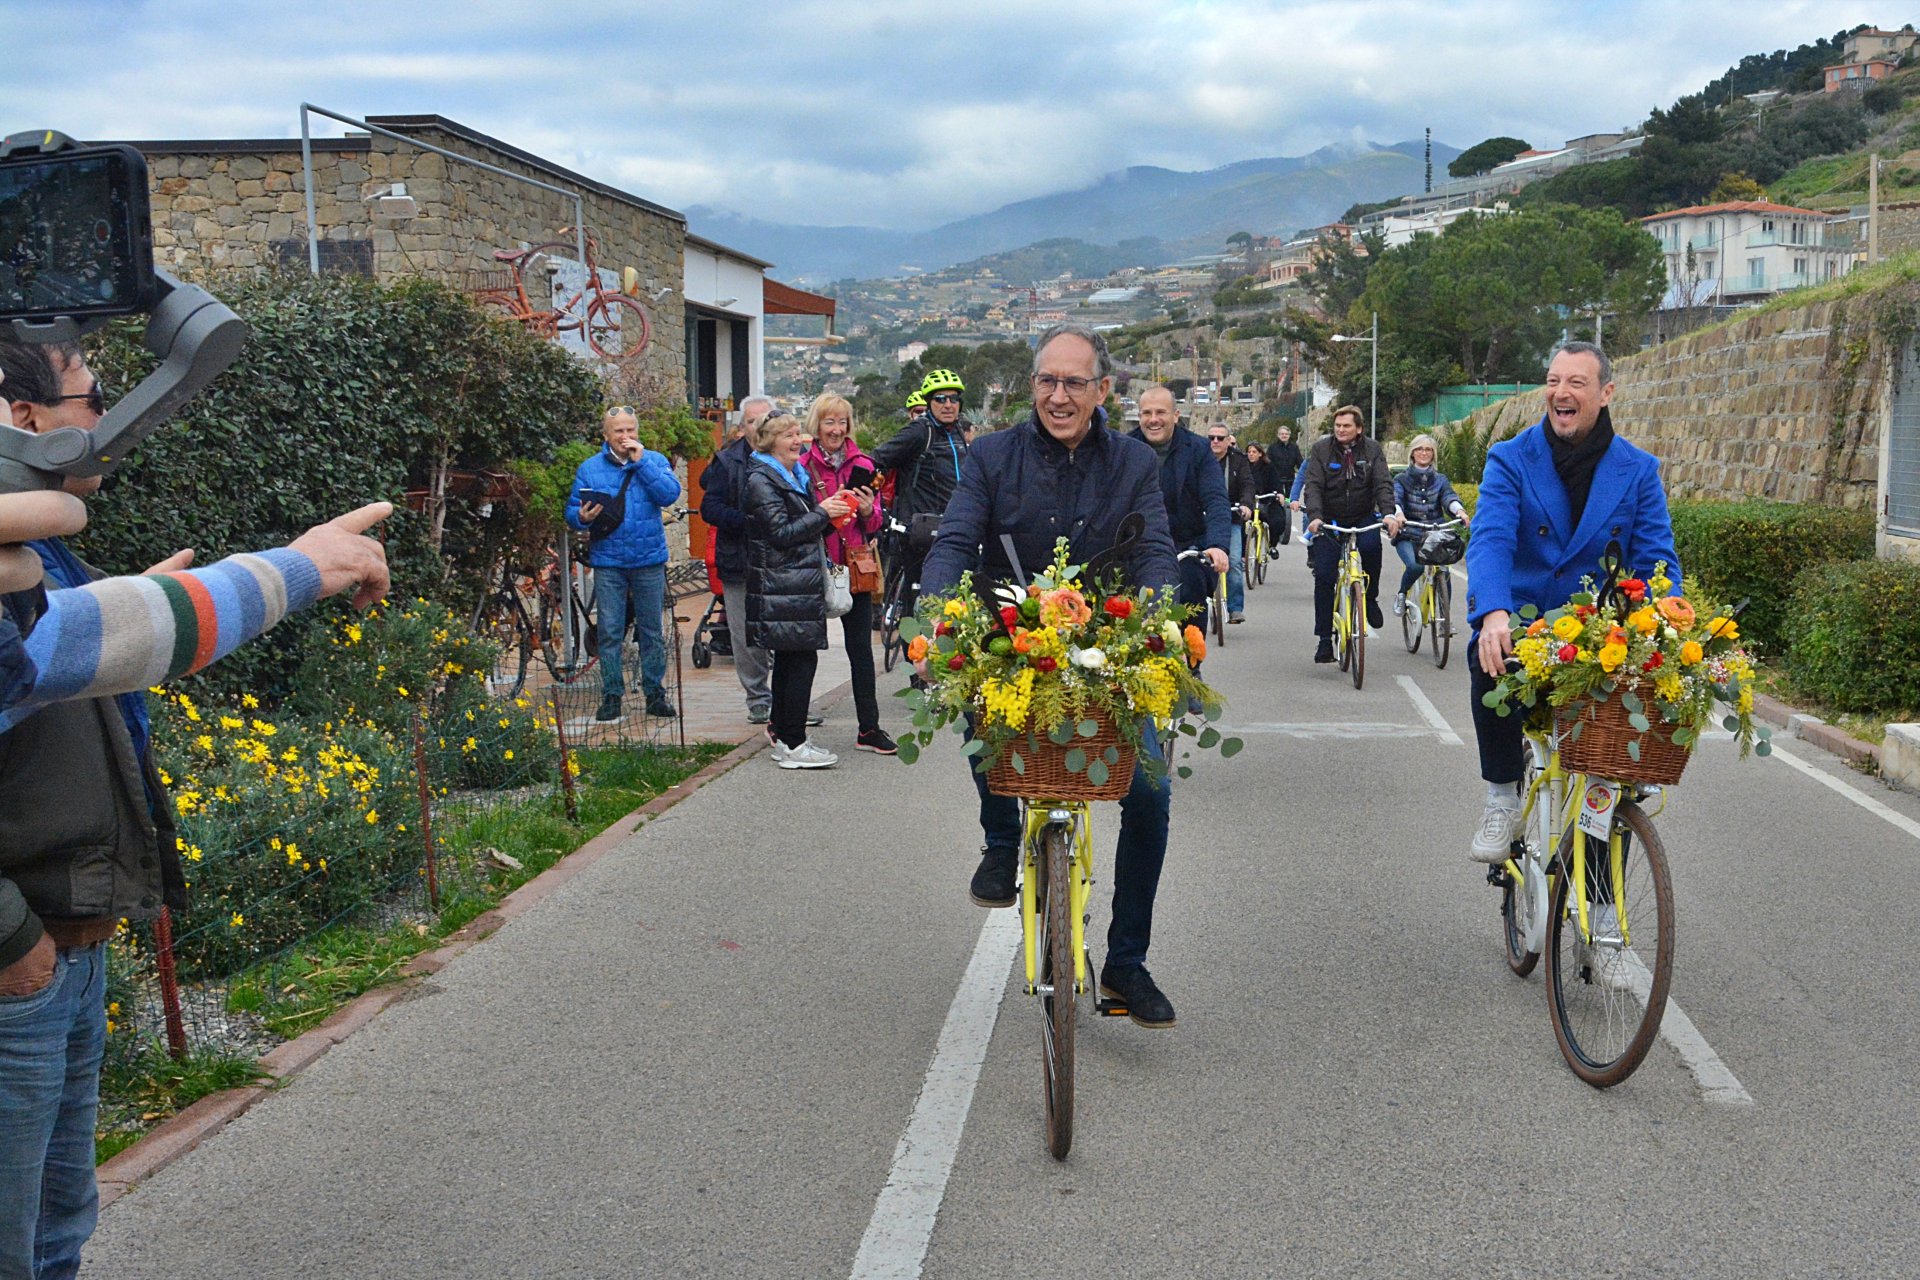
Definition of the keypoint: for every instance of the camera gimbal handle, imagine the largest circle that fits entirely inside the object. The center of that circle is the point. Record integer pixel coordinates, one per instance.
(193, 335)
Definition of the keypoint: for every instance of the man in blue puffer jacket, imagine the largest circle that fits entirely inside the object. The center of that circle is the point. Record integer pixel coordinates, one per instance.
(628, 554)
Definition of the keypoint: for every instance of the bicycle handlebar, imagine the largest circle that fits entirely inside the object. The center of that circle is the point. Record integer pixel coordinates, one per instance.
(1262, 497)
(1430, 527)
(1327, 526)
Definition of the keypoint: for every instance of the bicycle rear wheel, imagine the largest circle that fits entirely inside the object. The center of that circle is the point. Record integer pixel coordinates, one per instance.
(1257, 558)
(1608, 997)
(567, 668)
(1441, 623)
(1357, 610)
(1516, 898)
(617, 328)
(890, 643)
(1218, 608)
(1056, 977)
(503, 623)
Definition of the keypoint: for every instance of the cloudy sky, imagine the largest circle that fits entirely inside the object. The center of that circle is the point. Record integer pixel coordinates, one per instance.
(902, 113)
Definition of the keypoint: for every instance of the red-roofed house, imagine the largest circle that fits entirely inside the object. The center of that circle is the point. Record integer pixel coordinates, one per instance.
(1857, 75)
(1745, 250)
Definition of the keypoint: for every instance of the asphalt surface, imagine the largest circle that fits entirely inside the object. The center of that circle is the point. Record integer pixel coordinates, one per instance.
(698, 1058)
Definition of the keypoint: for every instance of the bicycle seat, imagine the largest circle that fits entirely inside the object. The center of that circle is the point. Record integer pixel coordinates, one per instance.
(510, 255)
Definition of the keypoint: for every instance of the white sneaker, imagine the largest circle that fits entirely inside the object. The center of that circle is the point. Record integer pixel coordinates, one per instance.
(807, 755)
(1399, 605)
(1493, 842)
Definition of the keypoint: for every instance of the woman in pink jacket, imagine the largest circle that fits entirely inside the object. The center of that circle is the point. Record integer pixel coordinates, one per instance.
(832, 460)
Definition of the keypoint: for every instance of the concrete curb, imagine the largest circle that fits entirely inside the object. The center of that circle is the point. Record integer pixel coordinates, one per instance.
(1812, 729)
(180, 1134)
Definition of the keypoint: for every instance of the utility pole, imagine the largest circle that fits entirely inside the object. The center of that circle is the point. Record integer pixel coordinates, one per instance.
(1873, 208)
(1373, 403)
(1429, 159)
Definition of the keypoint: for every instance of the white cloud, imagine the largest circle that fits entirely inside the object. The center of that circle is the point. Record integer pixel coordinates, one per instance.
(901, 115)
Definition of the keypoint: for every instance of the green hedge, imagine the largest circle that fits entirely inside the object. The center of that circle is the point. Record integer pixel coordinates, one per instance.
(1856, 636)
(347, 391)
(1755, 551)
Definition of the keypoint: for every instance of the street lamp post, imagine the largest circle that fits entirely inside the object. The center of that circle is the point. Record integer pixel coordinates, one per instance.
(1373, 381)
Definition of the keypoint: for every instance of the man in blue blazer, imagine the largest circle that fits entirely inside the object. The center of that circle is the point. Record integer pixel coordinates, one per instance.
(1551, 500)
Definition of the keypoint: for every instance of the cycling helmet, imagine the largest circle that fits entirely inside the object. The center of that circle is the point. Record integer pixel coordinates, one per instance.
(1441, 546)
(942, 380)
(916, 401)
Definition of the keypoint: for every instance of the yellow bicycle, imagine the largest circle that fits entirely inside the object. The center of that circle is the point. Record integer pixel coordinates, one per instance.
(1604, 920)
(1055, 884)
(1258, 543)
(1350, 601)
(1429, 609)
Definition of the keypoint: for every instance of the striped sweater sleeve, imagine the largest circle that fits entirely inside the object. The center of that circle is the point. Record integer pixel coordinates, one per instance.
(122, 634)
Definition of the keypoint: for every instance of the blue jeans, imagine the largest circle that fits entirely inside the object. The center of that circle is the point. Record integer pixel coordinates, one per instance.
(1409, 550)
(636, 596)
(1137, 857)
(1237, 570)
(51, 1044)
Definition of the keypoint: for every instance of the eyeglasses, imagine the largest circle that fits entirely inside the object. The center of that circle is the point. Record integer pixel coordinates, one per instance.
(944, 397)
(1047, 384)
(1211, 437)
(95, 398)
(619, 411)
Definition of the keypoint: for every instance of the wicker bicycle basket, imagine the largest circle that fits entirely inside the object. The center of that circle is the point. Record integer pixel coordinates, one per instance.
(1047, 776)
(1605, 731)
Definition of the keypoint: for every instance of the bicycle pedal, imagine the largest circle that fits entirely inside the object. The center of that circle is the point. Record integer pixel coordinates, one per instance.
(1497, 876)
(1110, 1008)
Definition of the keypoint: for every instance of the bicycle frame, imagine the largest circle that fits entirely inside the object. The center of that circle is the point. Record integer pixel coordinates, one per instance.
(1561, 791)
(1041, 814)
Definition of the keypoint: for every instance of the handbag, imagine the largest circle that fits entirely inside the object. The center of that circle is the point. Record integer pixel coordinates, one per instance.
(839, 592)
(612, 515)
(863, 569)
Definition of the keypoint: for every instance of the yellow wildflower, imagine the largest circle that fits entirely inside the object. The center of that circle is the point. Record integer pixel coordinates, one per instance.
(249, 701)
(229, 722)
(1611, 656)
(373, 817)
(1007, 701)
(403, 690)
(506, 755)
(238, 920)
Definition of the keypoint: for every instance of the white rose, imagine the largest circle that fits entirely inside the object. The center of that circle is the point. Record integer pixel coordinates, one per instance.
(1091, 659)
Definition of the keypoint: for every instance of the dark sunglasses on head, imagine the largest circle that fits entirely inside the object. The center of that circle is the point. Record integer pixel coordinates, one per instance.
(95, 398)
(944, 397)
(1216, 437)
(614, 411)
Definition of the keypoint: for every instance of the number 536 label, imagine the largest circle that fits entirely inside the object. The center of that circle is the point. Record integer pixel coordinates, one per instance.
(1597, 804)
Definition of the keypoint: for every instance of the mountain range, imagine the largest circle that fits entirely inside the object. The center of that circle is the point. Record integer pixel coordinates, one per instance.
(1183, 212)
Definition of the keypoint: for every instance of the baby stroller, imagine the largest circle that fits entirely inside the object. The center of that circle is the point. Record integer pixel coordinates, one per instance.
(712, 636)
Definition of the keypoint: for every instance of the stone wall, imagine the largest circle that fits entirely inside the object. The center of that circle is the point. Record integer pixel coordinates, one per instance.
(241, 206)
(1783, 404)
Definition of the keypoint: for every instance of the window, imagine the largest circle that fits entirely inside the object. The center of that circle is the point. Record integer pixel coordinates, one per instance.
(1756, 273)
(1800, 266)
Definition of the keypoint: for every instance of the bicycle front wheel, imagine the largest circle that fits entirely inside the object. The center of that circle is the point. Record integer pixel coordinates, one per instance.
(1357, 610)
(1219, 609)
(1609, 995)
(1411, 625)
(1056, 978)
(503, 623)
(891, 646)
(1441, 623)
(564, 667)
(617, 328)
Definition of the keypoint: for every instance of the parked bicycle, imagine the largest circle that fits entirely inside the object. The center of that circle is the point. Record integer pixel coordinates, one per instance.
(615, 326)
(521, 615)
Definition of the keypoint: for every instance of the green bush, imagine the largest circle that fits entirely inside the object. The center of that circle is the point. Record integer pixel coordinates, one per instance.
(1855, 632)
(347, 391)
(1755, 550)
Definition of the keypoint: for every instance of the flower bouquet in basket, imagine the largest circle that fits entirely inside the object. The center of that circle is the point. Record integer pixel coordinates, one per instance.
(1058, 680)
(1632, 675)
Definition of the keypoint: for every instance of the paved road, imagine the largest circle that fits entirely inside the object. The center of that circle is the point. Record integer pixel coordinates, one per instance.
(699, 1058)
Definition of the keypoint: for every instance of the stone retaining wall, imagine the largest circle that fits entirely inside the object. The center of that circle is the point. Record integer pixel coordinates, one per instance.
(1784, 404)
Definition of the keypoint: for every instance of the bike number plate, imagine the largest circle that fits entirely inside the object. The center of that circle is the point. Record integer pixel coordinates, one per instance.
(1597, 804)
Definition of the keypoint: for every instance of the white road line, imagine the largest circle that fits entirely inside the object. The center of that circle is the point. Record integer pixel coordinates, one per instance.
(1852, 793)
(1717, 1082)
(1313, 729)
(1429, 712)
(895, 1244)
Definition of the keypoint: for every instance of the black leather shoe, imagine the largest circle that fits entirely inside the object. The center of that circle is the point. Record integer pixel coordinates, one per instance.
(609, 708)
(993, 882)
(1325, 652)
(661, 705)
(1134, 987)
(1374, 619)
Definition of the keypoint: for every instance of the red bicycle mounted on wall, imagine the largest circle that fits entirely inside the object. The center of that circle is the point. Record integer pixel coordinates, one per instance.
(614, 326)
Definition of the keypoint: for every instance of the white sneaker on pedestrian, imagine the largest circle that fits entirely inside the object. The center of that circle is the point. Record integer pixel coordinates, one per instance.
(808, 755)
(1493, 842)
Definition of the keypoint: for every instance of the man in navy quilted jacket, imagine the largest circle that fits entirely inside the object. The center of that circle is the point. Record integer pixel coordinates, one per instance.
(628, 554)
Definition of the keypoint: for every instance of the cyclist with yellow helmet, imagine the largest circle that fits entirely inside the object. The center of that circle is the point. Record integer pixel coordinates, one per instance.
(916, 403)
(925, 460)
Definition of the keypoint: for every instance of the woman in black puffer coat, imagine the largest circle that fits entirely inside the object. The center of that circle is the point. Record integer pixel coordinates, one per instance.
(786, 580)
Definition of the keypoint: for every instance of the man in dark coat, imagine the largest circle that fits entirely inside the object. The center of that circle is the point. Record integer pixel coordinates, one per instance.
(1197, 514)
(1347, 483)
(1237, 476)
(1065, 473)
(724, 511)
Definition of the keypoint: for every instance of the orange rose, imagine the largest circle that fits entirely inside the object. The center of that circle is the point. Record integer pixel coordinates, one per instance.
(1617, 635)
(1196, 645)
(1537, 627)
(1022, 640)
(917, 649)
(1676, 610)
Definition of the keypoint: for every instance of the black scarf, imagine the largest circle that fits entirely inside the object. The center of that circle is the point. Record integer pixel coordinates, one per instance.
(1575, 463)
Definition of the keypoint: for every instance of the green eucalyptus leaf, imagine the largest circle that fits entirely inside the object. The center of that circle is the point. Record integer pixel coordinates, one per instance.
(1633, 750)
(1639, 722)
(1088, 728)
(1076, 761)
(1731, 724)
(1019, 763)
(910, 627)
(1631, 701)
(1208, 738)
(1528, 612)
(1097, 774)
(909, 750)
(1230, 747)
(1762, 747)
(1184, 771)
(1061, 734)
(972, 747)
(1111, 755)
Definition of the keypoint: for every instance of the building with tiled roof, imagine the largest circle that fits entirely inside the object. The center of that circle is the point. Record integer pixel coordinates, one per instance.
(1741, 251)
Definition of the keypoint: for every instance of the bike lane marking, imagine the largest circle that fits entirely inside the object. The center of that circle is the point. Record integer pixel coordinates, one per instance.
(1717, 1082)
(895, 1244)
(1429, 712)
(1851, 792)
